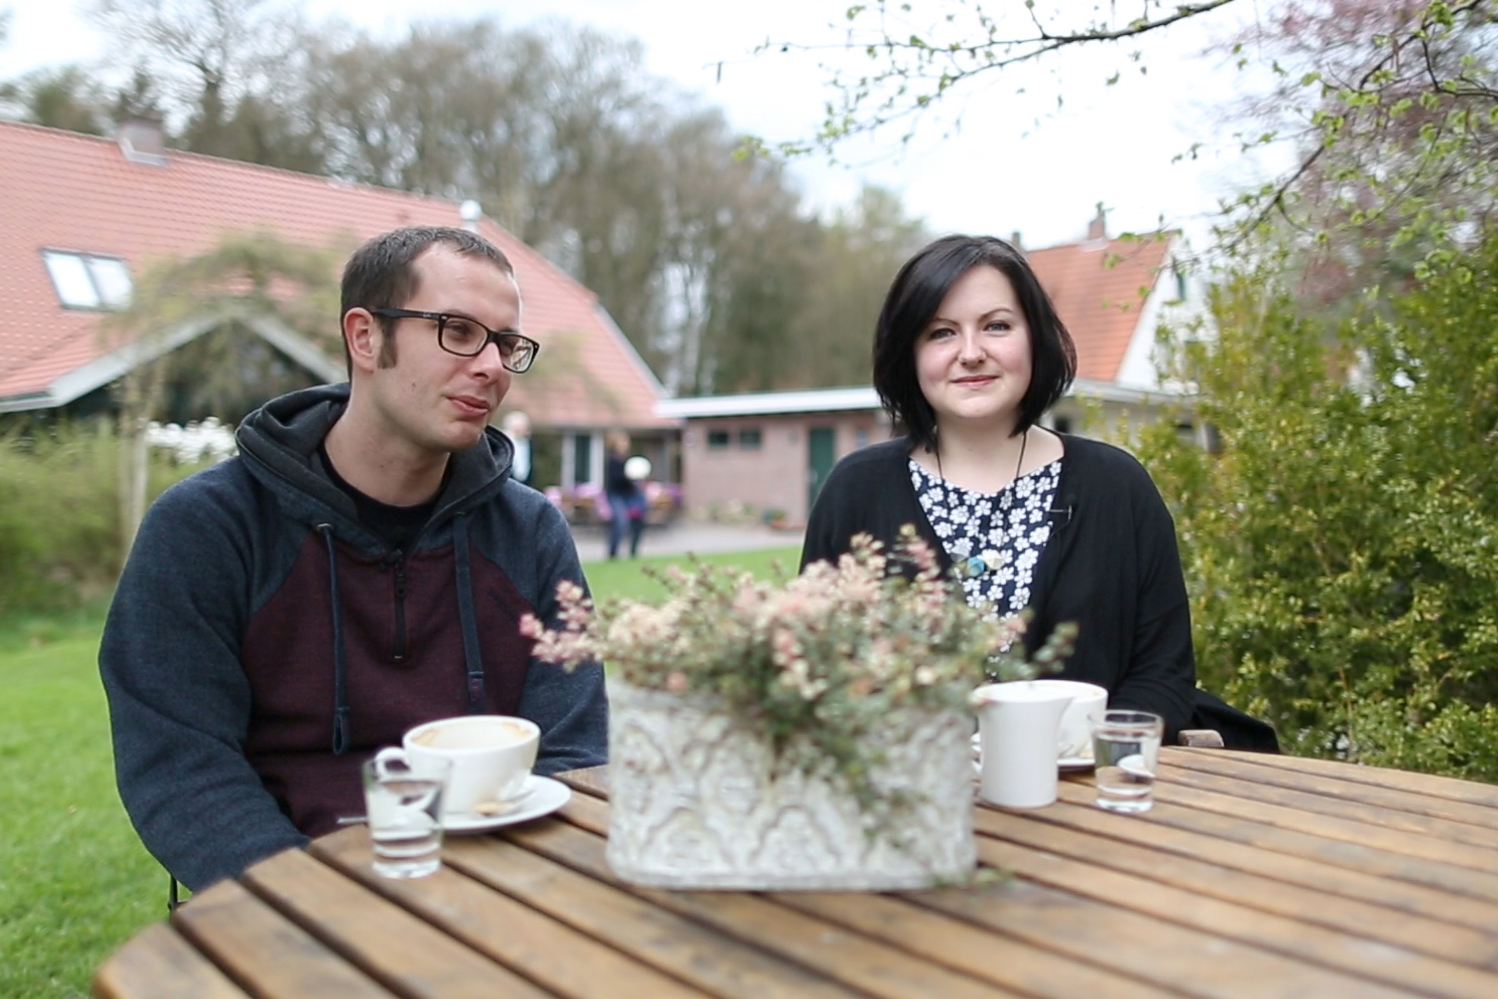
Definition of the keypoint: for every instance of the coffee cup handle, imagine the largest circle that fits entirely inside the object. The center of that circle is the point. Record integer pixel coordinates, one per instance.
(383, 758)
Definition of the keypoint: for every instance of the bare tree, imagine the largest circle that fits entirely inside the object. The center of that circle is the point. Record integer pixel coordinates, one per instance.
(918, 54)
(565, 140)
(736, 265)
(703, 256)
(1386, 100)
(230, 71)
(857, 256)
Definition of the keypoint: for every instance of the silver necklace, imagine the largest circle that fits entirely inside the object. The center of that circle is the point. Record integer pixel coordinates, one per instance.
(987, 560)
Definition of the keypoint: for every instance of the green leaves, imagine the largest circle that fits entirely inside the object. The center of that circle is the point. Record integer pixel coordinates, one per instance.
(1341, 548)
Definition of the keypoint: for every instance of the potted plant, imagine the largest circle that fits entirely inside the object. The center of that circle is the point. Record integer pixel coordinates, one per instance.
(811, 733)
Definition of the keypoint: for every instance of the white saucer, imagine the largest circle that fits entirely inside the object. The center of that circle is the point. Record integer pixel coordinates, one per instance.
(541, 796)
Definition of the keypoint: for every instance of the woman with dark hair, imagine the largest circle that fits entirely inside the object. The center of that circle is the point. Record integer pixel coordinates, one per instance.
(968, 355)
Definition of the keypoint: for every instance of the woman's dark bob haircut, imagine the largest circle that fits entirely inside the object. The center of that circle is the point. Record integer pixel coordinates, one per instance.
(913, 299)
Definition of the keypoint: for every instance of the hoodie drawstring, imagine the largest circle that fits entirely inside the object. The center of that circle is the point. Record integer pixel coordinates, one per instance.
(472, 658)
(340, 700)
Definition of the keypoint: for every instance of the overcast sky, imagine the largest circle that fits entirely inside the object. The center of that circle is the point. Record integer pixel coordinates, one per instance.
(999, 172)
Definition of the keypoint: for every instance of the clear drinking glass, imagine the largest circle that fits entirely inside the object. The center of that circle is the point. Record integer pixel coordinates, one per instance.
(403, 806)
(1126, 752)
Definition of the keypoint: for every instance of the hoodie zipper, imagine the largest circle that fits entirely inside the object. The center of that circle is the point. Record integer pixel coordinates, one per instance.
(398, 565)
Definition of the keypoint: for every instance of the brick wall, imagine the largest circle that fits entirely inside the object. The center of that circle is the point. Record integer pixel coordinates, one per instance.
(722, 465)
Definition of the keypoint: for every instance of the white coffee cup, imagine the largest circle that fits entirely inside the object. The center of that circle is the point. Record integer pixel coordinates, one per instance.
(1088, 701)
(491, 757)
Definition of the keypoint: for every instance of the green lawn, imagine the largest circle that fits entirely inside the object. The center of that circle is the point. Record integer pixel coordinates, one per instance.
(626, 578)
(75, 882)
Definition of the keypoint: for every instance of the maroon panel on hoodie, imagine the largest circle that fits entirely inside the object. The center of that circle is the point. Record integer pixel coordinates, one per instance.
(288, 657)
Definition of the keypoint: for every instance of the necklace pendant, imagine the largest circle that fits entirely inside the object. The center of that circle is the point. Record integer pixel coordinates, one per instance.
(977, 565)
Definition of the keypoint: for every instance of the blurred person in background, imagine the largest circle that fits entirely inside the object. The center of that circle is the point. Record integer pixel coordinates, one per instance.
(626, 497)
(518, 428)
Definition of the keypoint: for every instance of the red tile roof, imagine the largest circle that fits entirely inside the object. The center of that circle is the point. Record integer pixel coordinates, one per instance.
(65, 191)
(1099, 288)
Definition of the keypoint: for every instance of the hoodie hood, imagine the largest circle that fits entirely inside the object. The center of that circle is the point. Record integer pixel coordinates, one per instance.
(280, 444)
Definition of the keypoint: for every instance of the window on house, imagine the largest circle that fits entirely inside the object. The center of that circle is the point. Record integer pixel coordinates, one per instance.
(750, 439)
(717, 439)
(861, 437)
(84, 281)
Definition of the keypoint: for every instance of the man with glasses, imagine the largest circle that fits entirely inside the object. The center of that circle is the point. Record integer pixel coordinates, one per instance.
(359, 568)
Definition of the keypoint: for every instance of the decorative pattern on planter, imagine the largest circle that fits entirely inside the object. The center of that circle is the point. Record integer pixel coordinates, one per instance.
(693, 803)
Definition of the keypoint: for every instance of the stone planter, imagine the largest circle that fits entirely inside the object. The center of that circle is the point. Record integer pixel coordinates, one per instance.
(694, 803)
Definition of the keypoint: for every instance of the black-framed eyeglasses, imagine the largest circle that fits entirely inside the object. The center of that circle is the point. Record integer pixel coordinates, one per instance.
(468, 337)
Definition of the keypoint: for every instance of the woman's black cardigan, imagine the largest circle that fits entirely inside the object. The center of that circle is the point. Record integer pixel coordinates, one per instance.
(1111, 565)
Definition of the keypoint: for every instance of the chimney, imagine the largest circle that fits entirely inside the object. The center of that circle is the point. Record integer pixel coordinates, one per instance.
(1014, 241)
(1097, 229)
(141, 141)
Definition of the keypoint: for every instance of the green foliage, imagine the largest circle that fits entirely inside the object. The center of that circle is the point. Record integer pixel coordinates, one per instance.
(245, 277)
(1342, 547)
(64, 97)
(1393, 123)
(59, 513)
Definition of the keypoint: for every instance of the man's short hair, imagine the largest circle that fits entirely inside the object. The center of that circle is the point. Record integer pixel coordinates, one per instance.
(381, 275)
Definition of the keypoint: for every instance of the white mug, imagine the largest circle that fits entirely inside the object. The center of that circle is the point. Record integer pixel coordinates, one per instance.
(1017, 723)
(1088, 702)
(491, 757)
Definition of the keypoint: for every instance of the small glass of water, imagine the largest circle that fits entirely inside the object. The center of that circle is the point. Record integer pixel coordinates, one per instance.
(403, 806)
(1126, 751)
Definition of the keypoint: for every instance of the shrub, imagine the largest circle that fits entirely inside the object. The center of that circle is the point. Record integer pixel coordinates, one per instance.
(59, 513)
(1342, 547)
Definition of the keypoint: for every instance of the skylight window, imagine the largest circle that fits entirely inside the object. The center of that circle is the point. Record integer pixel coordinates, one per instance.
(84, 281)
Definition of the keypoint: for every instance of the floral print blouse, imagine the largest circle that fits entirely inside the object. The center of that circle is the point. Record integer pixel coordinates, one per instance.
(993, 539)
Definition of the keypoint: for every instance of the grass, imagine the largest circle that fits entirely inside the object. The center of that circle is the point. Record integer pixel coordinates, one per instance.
(628, 578)
(75, 882)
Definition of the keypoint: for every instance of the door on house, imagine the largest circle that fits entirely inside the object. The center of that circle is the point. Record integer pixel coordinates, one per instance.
(821, 453)
(582, 458)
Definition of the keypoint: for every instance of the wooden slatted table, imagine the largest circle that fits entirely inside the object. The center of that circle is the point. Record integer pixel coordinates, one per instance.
(1254, 876)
